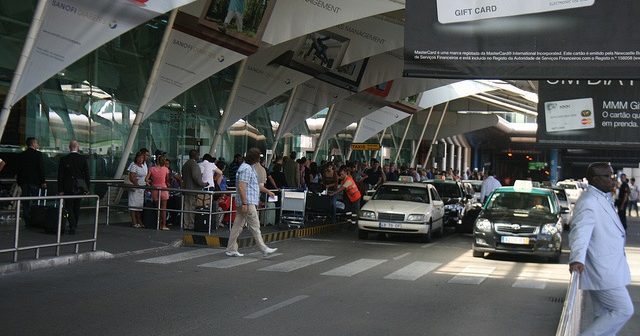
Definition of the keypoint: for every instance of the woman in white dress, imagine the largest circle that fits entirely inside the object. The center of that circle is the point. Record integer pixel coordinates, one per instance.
(137, 174)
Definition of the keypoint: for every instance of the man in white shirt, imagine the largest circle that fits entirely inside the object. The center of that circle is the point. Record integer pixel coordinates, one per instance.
(488, 186)
(209, 169)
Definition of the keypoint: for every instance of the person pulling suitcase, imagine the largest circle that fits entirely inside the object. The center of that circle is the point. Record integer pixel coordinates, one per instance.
(73, 179)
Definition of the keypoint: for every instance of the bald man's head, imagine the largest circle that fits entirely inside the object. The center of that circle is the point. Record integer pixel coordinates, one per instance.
(74, 146)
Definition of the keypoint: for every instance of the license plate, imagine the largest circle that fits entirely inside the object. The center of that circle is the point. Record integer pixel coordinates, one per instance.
(515, 240)
(390, 225)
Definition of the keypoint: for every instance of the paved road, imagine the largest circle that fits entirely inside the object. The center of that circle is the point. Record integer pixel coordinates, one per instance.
(330, 285)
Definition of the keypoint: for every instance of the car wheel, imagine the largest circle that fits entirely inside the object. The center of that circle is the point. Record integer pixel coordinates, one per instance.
(478, 254)
(426, 238)
(362, 234)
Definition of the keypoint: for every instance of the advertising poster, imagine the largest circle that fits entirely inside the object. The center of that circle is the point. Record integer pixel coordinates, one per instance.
(72, 28)
(320, 55)
(377, 121)
(522, 39)
(186, 62)
(294, 18)
(240, 19)
(372, 35)
(589, 112)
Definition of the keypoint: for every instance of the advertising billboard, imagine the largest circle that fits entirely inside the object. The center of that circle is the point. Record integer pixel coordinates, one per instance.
(522, 39)
(589, 112)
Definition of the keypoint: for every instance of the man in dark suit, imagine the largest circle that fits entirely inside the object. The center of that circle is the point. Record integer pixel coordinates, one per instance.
(30, 173)
(73, 179)
(191, 180)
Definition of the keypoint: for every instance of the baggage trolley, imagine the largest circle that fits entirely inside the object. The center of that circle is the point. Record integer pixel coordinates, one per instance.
(292, 208)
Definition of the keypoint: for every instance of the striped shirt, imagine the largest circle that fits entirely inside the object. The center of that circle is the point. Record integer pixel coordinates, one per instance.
(247, 174)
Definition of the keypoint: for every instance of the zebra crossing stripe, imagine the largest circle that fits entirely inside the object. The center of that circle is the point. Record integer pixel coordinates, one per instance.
(413, 271)
(472, 275)
(182, 256)
(355, 267)
(229, 262)
(292, 265)
(532, 280)
(276, 307)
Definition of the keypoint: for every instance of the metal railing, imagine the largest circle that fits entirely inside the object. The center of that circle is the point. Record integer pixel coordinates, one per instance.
(211, 205)
(59, 243)
(572, 309)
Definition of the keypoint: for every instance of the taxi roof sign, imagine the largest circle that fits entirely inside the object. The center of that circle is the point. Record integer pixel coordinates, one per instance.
(523, 185)
(406, 179)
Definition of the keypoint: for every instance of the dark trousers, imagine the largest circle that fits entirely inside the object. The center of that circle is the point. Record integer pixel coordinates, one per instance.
(28, 190)
(622, 213)
(351, 208)
(73, 209)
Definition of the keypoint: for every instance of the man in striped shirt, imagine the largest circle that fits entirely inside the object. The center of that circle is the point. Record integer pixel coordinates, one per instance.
(247, 200)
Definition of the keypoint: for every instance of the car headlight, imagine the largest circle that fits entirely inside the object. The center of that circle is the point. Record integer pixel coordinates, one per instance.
(365, 214)
(483, 224)
(415, 218)
(549, 229)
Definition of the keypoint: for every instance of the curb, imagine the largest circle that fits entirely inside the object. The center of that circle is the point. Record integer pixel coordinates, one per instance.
(174, 244)
(218, 242)
(32, 265)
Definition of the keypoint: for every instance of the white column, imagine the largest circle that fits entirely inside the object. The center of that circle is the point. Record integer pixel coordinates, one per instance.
(424, 128)
(459, 160)
(133, 133)
(404, 136)
(34, 28)
(325, 127)
(435, 136)
(227, 110)
(452, 154)
(285, 119)
(446, 154)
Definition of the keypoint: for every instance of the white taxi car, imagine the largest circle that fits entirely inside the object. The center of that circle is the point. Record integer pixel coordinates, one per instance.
(403, 207)
(572, 188)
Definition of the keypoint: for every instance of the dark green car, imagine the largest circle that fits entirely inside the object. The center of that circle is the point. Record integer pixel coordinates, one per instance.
(520, 220)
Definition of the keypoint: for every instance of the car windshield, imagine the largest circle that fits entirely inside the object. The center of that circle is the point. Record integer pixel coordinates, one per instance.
(401, 193)
(561, 194)
(477, 187)
(447, 189)
(522, 202)
(567, 186)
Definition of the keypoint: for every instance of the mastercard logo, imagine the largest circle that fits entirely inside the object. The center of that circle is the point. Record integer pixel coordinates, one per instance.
(586, 121)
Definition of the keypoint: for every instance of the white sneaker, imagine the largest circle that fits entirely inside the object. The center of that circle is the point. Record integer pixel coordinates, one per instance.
(268, 251)
(233, 254)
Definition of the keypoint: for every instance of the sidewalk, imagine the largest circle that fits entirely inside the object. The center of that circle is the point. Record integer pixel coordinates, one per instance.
(117, 239)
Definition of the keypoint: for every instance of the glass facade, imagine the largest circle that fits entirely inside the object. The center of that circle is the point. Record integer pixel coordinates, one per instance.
(95, 101)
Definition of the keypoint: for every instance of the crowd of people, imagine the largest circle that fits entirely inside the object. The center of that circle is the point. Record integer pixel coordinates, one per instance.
(350, 179)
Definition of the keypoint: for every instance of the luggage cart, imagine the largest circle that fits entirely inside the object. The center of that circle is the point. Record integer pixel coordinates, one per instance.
(319, 208)
(292, 208)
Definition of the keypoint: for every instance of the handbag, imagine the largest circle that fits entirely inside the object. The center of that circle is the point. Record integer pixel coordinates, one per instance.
(79, 186)
(126, 180)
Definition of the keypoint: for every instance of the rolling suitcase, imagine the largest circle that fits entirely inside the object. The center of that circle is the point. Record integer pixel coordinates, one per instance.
(150, 216)
(45, 216)
(201, 220)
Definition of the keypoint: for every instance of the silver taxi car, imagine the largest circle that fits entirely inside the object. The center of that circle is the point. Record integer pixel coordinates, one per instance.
(403, 207)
